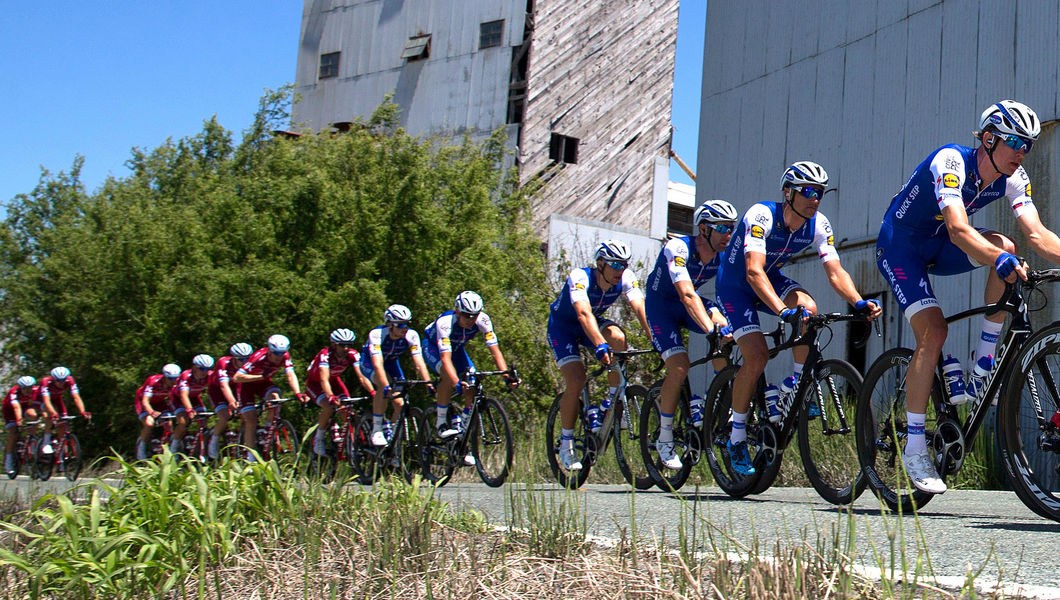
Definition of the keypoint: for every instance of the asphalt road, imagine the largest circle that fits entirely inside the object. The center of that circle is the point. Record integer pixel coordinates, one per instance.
(958, 531)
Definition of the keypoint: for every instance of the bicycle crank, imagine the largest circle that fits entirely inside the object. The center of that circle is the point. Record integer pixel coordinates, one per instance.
(768, 443)
(693, 445)
(592, 448)
(949, 445)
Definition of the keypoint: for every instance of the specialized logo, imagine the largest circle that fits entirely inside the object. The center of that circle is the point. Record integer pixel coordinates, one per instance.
(950, 180)
(679, 261)
(995, 118)
(758, 232)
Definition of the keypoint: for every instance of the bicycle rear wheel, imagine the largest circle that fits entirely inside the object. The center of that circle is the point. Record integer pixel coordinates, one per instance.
(568, 479)
(283, 447)
(827, 442)
(717, 424)
(627, 439)
(687, 442)
(438, 460)
(880, 427)
(1030, 442)
(43, 463)
(71, 457)
(491, 442)
(320, 468)
(408, 446)
(362, 454)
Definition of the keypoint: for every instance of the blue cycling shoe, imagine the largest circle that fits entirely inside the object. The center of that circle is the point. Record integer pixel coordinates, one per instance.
(740, 458)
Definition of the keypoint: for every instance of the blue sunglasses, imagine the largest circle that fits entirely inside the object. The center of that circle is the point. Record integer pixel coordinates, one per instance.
(1015, 142)
(722, 228)
(810, 192)
(616, 265)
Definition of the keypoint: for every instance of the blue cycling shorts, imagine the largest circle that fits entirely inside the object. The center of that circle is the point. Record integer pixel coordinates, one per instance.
(390, 365)
(741, 304)
(666, 318)
(566, 336)
(461, 361)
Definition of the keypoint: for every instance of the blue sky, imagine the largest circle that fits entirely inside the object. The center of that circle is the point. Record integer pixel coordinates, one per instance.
(99, 78)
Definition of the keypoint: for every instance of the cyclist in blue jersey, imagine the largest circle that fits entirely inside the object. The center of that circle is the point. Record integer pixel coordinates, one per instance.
(379, 363)
(574, 320)
(446, 356)
(750, 280)
(672, 303)
(926, 231)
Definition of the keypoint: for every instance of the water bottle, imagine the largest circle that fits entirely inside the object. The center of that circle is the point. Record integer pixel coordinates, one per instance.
(975, 387)
(605, 404)
(592, 413)
(457, 422)
(773, 404)
(953, 375)
(696, 406)
(465, 418)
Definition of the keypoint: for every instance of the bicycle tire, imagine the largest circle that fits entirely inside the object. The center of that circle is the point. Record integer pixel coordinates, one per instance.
(717, 426)
(283, 445)
(407, 443)
(686, 441)
(438, 459)
(71, 457)
(829, 456)
(1027, 438)
(572, 479)
(627, 439)
(320, 468)
(880, 428)
(44, 463)
(362, 454)
(491, 442)
(18, 464)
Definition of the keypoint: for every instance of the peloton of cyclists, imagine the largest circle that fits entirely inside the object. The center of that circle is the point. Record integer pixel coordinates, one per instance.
(255, 381)
(575, 319)
(926, 231)
(324, 380)
(672, 303)
(750, 280)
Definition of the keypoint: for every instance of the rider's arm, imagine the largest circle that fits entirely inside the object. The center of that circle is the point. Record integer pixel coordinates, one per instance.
(587, 320)
(324, 373)
(16, 406)
(843, 285)
(226, 391)
(80, 404)
(759, 282)
(1043, 241)
(758, 223)
(413, 339)
(365, 382)
(292, 382)
(185, 399)
(966, 237)
(694, 305)
(242, 377)
(498, 358)
(380, 371)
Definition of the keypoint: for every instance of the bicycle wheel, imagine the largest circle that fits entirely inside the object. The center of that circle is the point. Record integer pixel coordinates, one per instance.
(438, 461)
(283, 447)
(18, 463)
(717, 425)
(407, 445)
(827, 443)
(491, 442)
(687, 443)
(568, 479)
(880, 428)
(1030, 442)
(43, 463)
(320, 468)
(627, 439)
(362, 454)
(70, 456)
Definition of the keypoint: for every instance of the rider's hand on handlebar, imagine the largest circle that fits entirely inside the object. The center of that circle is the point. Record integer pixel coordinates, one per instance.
(603, 353)
(303, 398)
(86, 416)
(333, 400)
(513, 382)
(1009, 267)
(793, 315)
(870, 308)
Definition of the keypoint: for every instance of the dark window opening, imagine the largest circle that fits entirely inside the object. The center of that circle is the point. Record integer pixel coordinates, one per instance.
(490, 34)
(679, 219)
(329, 65)
(417, 48)
(562, 148)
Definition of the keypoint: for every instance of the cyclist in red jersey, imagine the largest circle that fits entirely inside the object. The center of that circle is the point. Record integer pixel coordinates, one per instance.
(152, 399)
(186, 397)
(255, 379)
(19, 401)
(219, 387)
(324, 382)
(52, 388)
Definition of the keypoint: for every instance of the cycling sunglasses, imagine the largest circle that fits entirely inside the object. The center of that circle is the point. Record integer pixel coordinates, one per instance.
(810, 192)
(616, 265)
(468, 315)
(1015, 142)
(722, 228)
(404, 325)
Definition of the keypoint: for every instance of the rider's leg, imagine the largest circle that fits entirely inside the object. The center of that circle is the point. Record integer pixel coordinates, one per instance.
(616, 338)
(574, 380)
(995, 286)
(929, 328)
(10, 445)
(250, 427)
(177, 442)
(755, 355)
(800, 297)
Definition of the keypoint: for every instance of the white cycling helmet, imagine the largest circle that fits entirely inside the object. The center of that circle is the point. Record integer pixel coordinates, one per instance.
(60, 373)
(804, 172)
(279, 343)
(171, 371)
(203, 361)
(1009, 116)
(343, 336)
(613, 250)
(240, 350)
(397, 313)
(26, 381)
(715, 211)
(469, 303)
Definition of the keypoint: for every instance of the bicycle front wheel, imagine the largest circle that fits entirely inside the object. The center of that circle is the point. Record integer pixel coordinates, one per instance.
(1029, 440)
(686, 440)
(43, 463)
(881, 432)
(717, 424)
(827, 442)
(627, 439)
(283, 447)
(408, 445)
(362, 454)
(491, 442)
(70, 455)
(568, 479)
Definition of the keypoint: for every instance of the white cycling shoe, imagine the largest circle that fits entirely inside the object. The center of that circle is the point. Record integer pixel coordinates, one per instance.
(922, 472)
(378, 438)
(469, 460)
(46, 449)
(567, 459)
(667, 456)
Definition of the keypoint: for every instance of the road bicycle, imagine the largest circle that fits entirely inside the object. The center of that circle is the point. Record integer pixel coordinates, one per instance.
(26, 448)
(1023, 379)
(65, 455)
(276, 437)
(486, 436)
(401, 454)
(338, 441)
(620, 425)
(688, 438)
(827, 443)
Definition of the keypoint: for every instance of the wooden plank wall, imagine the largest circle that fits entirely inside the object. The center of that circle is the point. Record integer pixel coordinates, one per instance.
(600, 71)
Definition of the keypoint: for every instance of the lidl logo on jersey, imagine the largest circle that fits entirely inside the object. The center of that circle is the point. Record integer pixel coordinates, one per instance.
(635, 284)
(950, 180)
(758, 232)
(490, 335)
(831, 240)
(1028, 192)
(445, 341)
(579, 286)
(679, 261)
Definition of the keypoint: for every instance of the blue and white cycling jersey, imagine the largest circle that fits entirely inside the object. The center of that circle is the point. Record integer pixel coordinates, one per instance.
(446, 335)
(581, 286)
(914, 241)
(679, 261)
(762, 231)
(949, 177)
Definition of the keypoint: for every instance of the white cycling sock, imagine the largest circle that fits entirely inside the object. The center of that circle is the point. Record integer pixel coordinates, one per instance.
(915, 441)
(988, 338)
(739, 427)
(319, 435)
(377, 422)
(798, 371)
(666, 427)
(442, 412)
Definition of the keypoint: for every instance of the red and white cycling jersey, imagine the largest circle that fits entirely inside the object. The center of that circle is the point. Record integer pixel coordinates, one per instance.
(194, 387)
(12, 397)
(336, 363)
(258, 364)
(222, 372)
(154, 391)
(50, 387)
